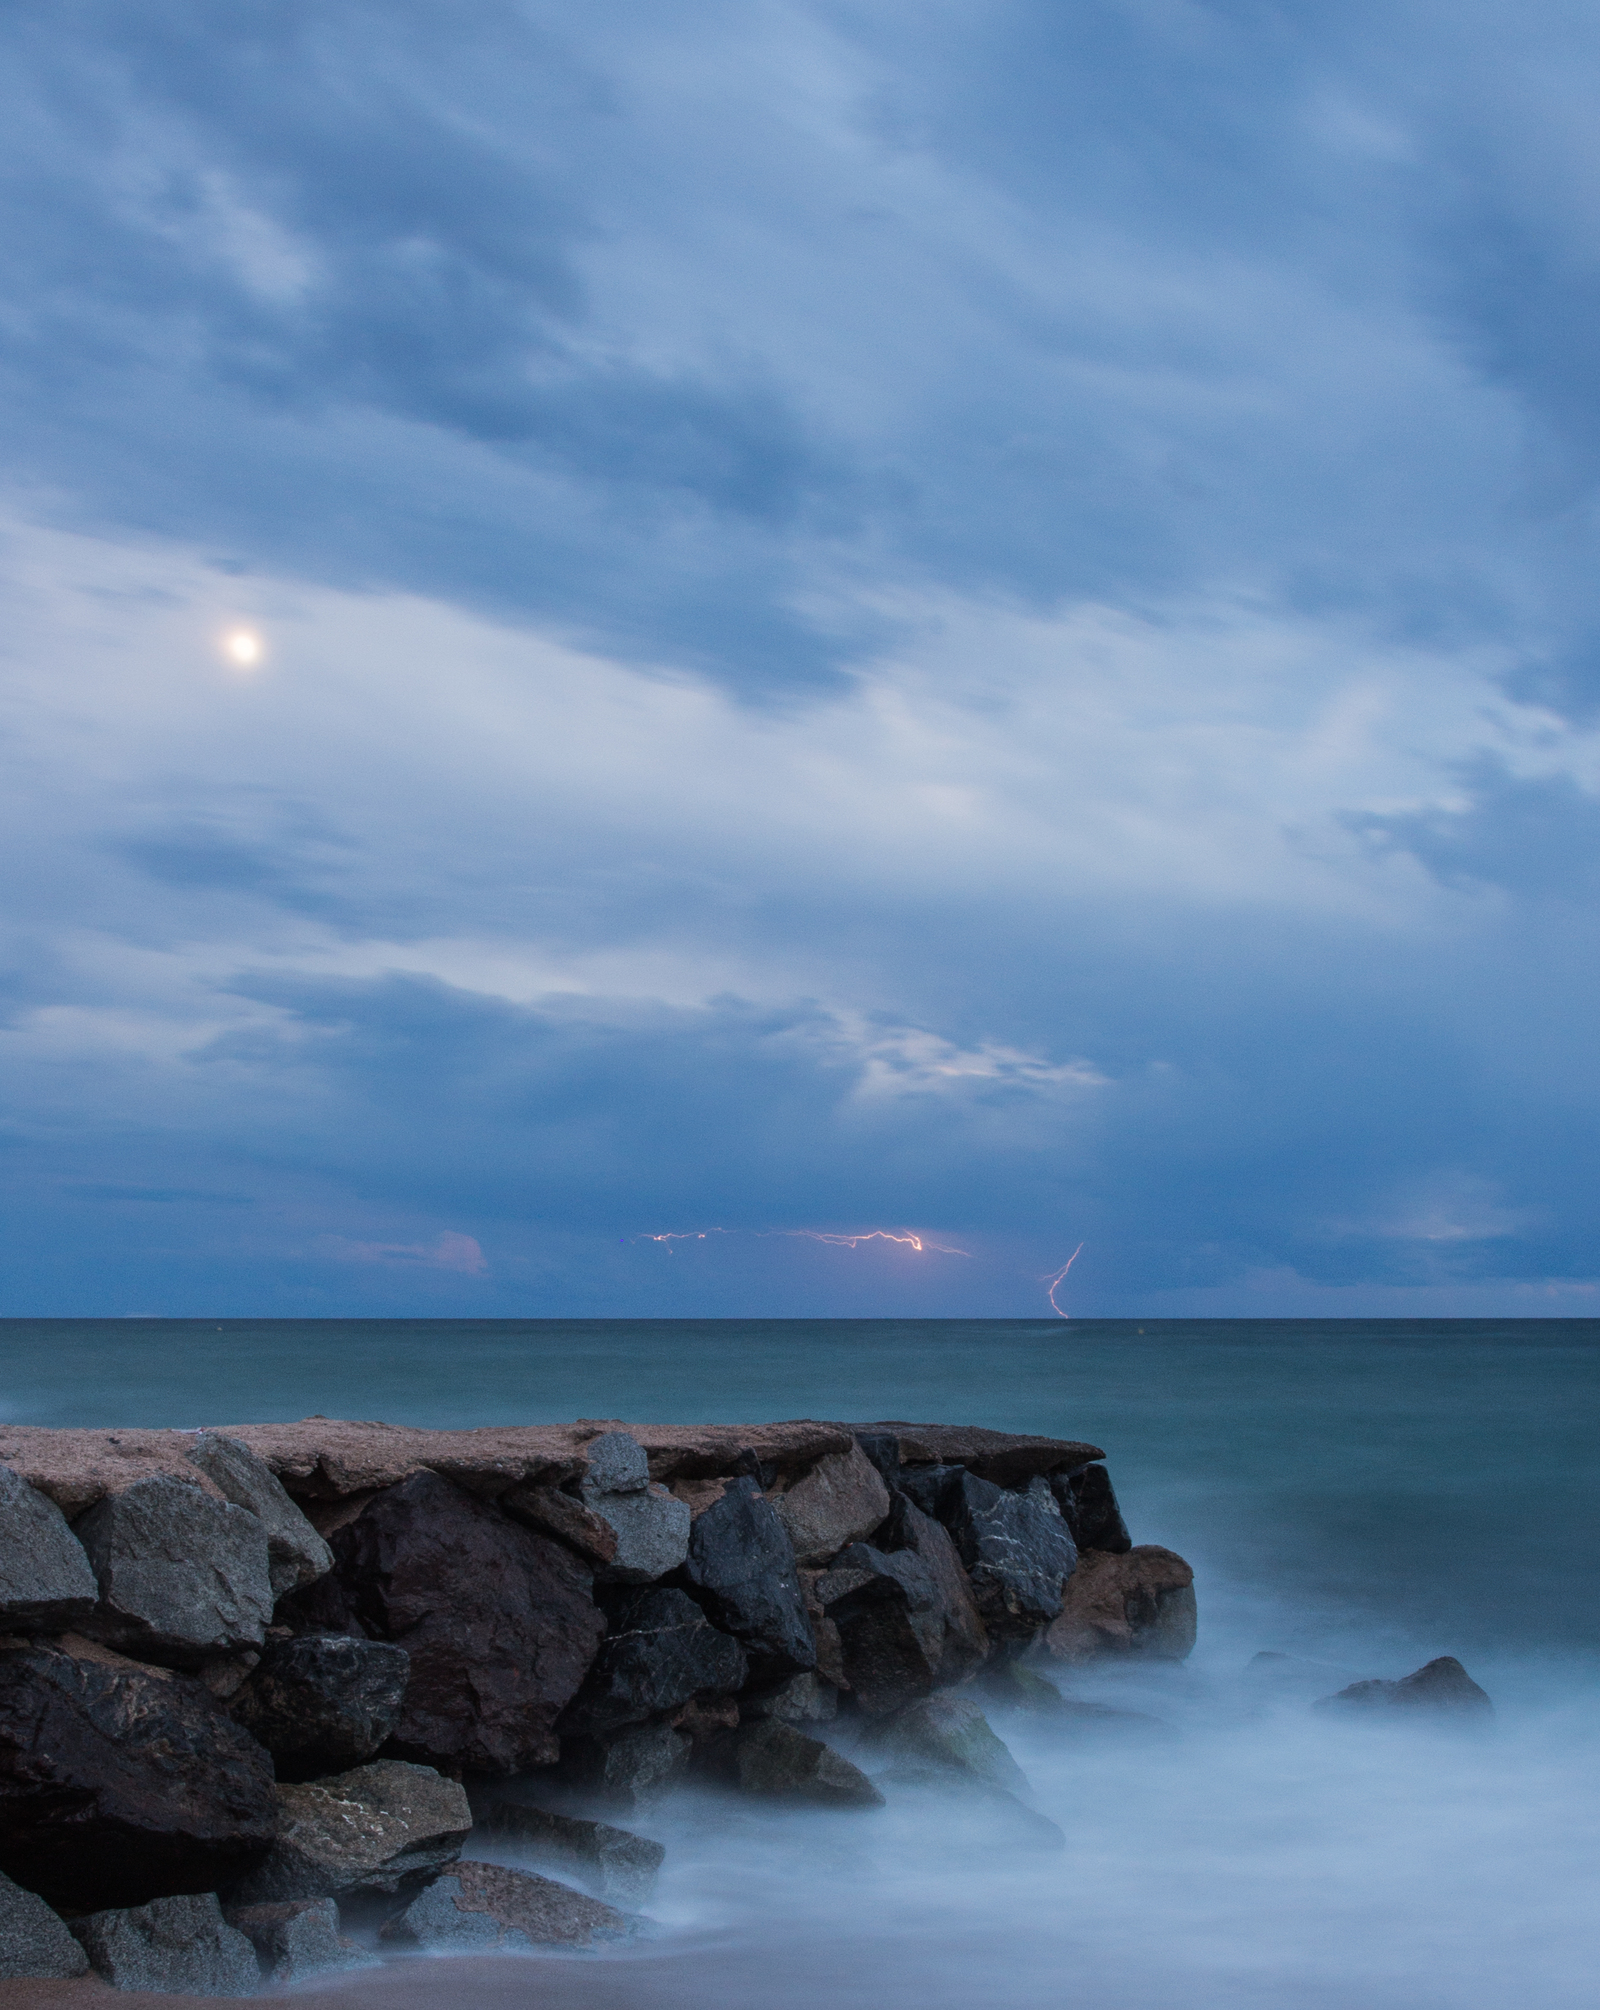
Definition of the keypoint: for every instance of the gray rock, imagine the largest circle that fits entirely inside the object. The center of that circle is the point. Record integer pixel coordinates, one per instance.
(181, 1946)
(661, 1651)
(324, 1702)
(380, 1829)
(46, 1583)
(945, 1738)
(891, 1626)
(778, 1762)
(803, 1699)
(1017, 1549)
(620, 1867)
(652, 1532)
(618, 1464)
(480, 1907)
(296, 1553)
(297, 1939)
(741, 1562)
(34, 1941)
(632, 1770)
(840, 1501)
(965, 1642)
(182, 1576)
(1441, 1685)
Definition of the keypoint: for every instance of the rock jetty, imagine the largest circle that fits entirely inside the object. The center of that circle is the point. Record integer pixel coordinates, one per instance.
(266, 1692)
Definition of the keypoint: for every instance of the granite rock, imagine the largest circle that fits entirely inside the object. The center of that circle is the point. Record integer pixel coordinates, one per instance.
(46, 1583)
(323, 1702)
(1140, 1603)
(1008, 1458)
(379, 1829)
(1088, 1503)
(1441, 1685)
(296, 1939)
(651, 1530)
(945, 1738)
(34, 1940)
(1017, 1550)
(964, 1645)
(840, 1501)
(616, 1464)
(661, 1651)
(742, 1565)
(296, 1554)
(774, 1760)
(617, 1865)
(179, 1946)
(630, 1770)
(484, 1907)
(549, 1511)
(891, 1626)
(802, 1699)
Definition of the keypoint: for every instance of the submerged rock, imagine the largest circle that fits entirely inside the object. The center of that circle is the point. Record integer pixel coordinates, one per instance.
(742, 1564)
(296, 1939)
(1441, 1685)
(840, 1501)
(179, 1946)
(945, 1738)
(661, 1652)
(621, 1867)
(46, 1583)
(377, 1830)
(1141, 1603)
(323, 1702)
(296, 1554)
(480, 1907)
(34, 1940)
(775, 1760)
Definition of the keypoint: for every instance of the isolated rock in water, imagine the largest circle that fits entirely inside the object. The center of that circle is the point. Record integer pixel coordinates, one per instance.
(1089, 1505)
(180, 1946)
(323, 1702)
(619, 1866)
(891, 1627)
(965, 1638)
(382, 1828)
(946, 1738)
(742, 1563)
(182, 1576)
(479, 1907)
(803, 1699)
(548, 1511)
(777, 1761)
(840, 1501)
(500, 1623)
(45, 1579)
(1442, 1685)
(1141, 1603)
(297, 1939)
(661, 1651)
(1017, 1550)
(119, 1783)
(34, 1941)
(632, 1769)
(296, 1553)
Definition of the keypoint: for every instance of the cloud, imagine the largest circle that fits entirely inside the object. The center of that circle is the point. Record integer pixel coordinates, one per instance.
(451, 1252)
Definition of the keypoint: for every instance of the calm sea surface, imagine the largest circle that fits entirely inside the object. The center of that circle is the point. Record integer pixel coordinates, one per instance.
(1359, 1494)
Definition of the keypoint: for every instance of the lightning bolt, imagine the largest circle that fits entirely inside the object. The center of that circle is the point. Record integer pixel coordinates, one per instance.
(919, 1243)
(682, 1235)
(1060, 1274)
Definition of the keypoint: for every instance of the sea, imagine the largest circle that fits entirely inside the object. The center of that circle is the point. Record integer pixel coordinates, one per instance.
(1356, 1497)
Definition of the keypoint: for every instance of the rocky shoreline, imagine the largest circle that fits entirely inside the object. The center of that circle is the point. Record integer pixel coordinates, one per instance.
(268, 1694)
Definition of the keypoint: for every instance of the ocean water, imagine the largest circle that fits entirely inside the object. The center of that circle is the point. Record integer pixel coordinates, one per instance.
(1356, 1495)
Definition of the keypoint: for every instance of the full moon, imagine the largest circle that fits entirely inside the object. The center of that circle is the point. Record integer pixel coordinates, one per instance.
(242, 646)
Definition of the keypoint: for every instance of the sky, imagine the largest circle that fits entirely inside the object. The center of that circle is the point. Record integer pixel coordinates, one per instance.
(977, 621)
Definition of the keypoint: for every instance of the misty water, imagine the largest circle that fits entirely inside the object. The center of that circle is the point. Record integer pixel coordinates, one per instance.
(1358, 1496)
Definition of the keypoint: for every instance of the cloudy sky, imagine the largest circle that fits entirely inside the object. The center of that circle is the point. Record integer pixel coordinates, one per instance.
(975, 619)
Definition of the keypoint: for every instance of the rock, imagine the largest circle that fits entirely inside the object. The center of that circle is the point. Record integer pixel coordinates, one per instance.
(840, 1501)
(297, 1939)
(483, 1906)
(548, 1511)
(378, 1829)
(179, 1946)
(1140, 1603)
(296, 1554)
(945, 1738)
(883, 1449)
(631, 1770)
(46, 1582)
(182, 1575)
(965, 1638)
(621, 1867)
(499, 1623)
(803, 1699)
(775, 1760)
(617, 1464)
(891, 1625)
(1442, 1685)
(652, 1534)
(34, 1941)
(742, 1564)
(661, 1652)
(928, 1487)
(1017, 1550)
(1089, 1506)
(1006, 1458)
(323, 1702)
(120, 1783)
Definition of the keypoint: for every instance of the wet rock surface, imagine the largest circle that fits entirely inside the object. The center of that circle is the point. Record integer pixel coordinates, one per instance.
(377, 1830)
(46, 1583)
(34, 1939)
(322, 1703)
(618, 1866)
(180, 1945)
(296, 1554)
(480, 1907)
(660, 1652)
(1441, 1685)
(802, 1699)
(1139, 1603)
(742, 1565)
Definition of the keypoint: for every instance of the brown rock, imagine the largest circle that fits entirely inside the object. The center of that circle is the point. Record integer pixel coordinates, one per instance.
(499, 1622)
(1138, 1603)
(840, 1501)
(381, 1828)
(1009, 1460)
(548, 1511)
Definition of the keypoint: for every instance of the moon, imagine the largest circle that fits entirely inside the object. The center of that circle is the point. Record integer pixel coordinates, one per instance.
(242, 647)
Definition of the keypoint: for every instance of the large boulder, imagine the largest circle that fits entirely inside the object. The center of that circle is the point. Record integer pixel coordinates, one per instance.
(1442, 1685)
(945, 1738)
(377, 1830)
(1089, 1504)
(774, 1760)
(34, 1941)
(1141, 1603)
(178, 1946)
(1017, 1550)
(296, 1554)
(660, 1652)
(840, 1501)
(742, 1565)
(296, 1939)
(965, 1643)
(628, 1771)
(618, 1866)
(182, 1575)
(482, 1908)
(500, 1623)
(891, 1627)
(801, 1699)
(650, 1526)
(46, 1583)
(323, 1702)
(120, 1783)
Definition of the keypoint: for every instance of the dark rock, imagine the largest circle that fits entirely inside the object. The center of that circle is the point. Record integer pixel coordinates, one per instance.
(45, 1579)
(179, 1946)
(891, 1626)
(742, 1564)
(120, 1783)
(775, 1760)
(929, 1487)
(945, 1738)
(297, 1939)
(34, 1941)
(803, 1699)
(1142, 1603)
(323, 1702)
(883, 1449)
(377, 1830)
(630, 1770)
(182, 1576)
(966, 1640)
(1007, 1458)
(500, 1623)
(548, 1511)
(296, 1554)
(661, 1651)
(1441, 1685)
(1088, 1504)
(619, 1866)
(481, 1907)
(841, 1500)
(1017, 1550)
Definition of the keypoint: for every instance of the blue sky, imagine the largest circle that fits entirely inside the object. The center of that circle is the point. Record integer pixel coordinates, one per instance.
(978, 620)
